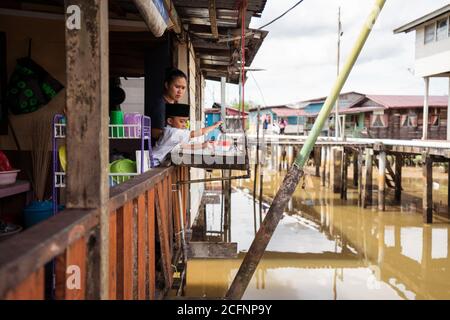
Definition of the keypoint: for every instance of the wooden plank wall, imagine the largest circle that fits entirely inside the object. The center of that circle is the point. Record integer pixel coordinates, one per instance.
(147, 213)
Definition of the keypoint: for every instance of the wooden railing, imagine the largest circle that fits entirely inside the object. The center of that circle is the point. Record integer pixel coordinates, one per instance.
(137, 208)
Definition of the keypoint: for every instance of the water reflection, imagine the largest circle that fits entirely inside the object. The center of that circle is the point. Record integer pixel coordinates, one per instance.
(325, 248)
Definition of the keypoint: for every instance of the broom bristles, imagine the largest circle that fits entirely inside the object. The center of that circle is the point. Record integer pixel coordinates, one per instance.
(40, 155)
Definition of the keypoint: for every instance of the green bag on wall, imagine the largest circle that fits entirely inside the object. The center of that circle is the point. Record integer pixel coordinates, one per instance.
(30, 87)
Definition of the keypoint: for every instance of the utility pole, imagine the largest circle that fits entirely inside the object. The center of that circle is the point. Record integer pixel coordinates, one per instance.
(336, 120)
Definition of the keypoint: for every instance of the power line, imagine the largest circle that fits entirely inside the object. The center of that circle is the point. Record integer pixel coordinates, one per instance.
(260, 91)
(279, 17)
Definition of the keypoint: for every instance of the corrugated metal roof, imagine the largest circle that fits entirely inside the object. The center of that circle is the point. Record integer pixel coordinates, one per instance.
(219, 57)
(287, 112)
(397, 101)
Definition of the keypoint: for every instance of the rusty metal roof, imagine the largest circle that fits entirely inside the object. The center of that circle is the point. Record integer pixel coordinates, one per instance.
(219, 55)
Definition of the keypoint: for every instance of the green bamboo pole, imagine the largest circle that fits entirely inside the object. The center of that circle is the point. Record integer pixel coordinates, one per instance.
(275, 213)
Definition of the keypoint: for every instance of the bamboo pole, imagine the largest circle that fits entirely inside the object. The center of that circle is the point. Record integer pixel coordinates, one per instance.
(284, 194)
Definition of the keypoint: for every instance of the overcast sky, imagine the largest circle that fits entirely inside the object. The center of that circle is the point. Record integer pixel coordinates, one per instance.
(299, 54)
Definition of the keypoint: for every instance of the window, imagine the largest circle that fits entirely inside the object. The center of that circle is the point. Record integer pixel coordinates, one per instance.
(434, 119)
(378, 121)
(430, 31)
(442, 29)
(409, 120)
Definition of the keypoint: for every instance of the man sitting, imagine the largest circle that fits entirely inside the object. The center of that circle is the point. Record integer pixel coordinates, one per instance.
(176, 132)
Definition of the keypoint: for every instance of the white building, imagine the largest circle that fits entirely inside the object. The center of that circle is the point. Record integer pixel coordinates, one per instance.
(432, 52)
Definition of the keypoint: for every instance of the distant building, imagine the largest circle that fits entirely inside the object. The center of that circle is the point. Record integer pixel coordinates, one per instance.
(396, 117)
(363, 115)
(432, 54)
(301, 115)
(233, 119)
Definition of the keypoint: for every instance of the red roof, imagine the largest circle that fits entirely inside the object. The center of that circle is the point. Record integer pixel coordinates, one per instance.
(408, 101)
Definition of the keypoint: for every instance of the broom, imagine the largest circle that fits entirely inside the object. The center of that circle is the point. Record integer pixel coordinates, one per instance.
(40, 155)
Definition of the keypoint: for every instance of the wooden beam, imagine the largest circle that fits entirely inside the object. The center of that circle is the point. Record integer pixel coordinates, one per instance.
(360, 175)
(324, 166)
(355, 168)
(87, 113)
(344, 175)
(398, 177)
(213, 18)
(367, 190)
(427, 189)
(336, 169)
(382, 181)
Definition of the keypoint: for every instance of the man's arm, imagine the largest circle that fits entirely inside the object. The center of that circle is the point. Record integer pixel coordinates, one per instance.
(204, 131)
(195, 146)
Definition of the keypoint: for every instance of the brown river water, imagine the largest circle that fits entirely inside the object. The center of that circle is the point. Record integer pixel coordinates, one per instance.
(327, 248)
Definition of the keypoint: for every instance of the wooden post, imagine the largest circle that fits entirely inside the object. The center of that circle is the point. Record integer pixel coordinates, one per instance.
(381, 181)
(367, 190)
(328, 164)
(324, 166)
(227, 206)
(360, 174)
(87, 105)
(344, 175)
(427, 189)
(355, 168)
(317, 160)
(398, 177)
(336, 171)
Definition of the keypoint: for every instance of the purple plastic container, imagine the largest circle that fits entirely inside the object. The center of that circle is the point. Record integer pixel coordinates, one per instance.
(132, 118)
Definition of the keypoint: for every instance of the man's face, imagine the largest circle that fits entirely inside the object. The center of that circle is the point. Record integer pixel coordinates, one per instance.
(178, 122)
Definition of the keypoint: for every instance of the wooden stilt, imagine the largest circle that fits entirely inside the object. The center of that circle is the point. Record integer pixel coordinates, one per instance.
(328, 164)
(324, 167)
(227, 206)
(344, 175)
(355, 168)
(398, 177)
(427, 189)
(367, 190)
(360, 174)
(317, 160)
(382, 181)
(336, 172)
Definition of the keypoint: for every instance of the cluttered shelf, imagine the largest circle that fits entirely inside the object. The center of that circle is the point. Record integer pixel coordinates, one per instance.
(123, 126)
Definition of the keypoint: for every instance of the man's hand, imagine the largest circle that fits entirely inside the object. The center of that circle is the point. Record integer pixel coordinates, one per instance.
(217, 124)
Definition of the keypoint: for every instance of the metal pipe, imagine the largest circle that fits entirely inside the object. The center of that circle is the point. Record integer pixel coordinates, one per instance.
(246, 176)
(182, 223)
(284, 194)
(151, 16)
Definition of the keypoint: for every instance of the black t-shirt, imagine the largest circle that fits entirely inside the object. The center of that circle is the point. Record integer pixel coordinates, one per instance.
(158, 114)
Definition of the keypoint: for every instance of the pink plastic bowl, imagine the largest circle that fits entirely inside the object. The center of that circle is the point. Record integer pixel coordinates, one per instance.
(8, 177)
